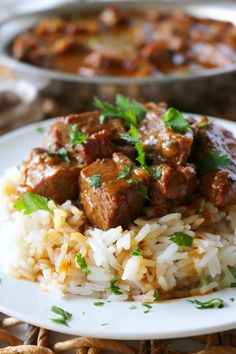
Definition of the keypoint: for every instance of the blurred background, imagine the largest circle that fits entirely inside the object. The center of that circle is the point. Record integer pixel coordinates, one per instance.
(28, 94)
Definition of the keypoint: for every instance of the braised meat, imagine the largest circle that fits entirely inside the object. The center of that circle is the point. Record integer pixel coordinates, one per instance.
(172, 186)
(51, 176)
(214, 153)
(111, 201)
(58, 134)
(124, 42)
(161, 142)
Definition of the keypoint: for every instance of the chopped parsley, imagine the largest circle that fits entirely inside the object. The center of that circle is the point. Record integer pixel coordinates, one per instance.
(76, 136)
(156, 294)
(133, 138)
(232, 299)
(140, 186)
(175, 120)
(114, 288)
(156, 172)
(105, 324)
(31, 202)
(214, 303)
(130, 111)
(63, 316)
(204, 124)
(82, 263)
(202, 205)
(136, 252)
(40, 130)
(213, 160)
(95, 181)
(233, 272)
(147, 306)
(99, 303)
(125, 172)
(62, 152)
(208, 279)
(182, 239)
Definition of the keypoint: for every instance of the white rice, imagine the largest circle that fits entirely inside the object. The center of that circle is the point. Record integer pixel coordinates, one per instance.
(42, 247)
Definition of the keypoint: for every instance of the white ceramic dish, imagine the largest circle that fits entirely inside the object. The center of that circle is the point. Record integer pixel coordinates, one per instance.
(170, 319)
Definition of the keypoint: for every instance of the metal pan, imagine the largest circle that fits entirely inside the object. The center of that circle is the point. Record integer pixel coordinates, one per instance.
(208, 91)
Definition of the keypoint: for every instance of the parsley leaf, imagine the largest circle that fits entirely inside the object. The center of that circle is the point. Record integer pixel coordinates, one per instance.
(131, 111)
(133, 138)
(175, 120)
(62, 152)
(204, 124)
(136, 252)
(31, 202)
(82, 263)
(202, 205)
(213, 160)
(214, 303)
(125, 172)
(156, 294)
(64, 316)
(148, 307)
(99, 303)
(233, 272)
(182, 239)
(133, 307)
(76, 137)
(114, 288)
(95, 181)
(156, 172)
(40, 130)
(140, 186)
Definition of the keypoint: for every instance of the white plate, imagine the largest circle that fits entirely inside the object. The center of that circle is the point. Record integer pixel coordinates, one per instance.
(170, 319)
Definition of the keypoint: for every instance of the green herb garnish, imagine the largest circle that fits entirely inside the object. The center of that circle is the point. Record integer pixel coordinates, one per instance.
(148, 307)
(202, 205)
(114, 288)
(99, 303)
(203, 124)
(182, 239)
(214, 303)
(125, 172)
(131, 111)
(31, 202)
(133, 138)
(64, 316)
(156, 172)
(95, 181)
(233, 272)
(136, 252)
(175, 120)
(40, 130)
(232, 299)
(140, 186)
(76, 136)
(62, 152)
(208, 279)
(213, 160)
(156, 294)
(82, 263)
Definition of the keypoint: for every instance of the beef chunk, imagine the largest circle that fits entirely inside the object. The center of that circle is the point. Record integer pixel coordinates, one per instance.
(58, 134)
(174, 186)
(113, 201)
(219, 185)
(51, 176)
(113, 16)
(98, 146)
(162, 143)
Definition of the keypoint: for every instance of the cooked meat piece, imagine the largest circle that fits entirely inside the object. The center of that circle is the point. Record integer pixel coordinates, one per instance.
(113, 16)
(112, 202)
(69, 45)
(219, 185)
(175, 185)
(29, 49)
(83, 27)
(49, 26)
(58, 134)
(51, 176)
(98, 146)
(161, 142)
